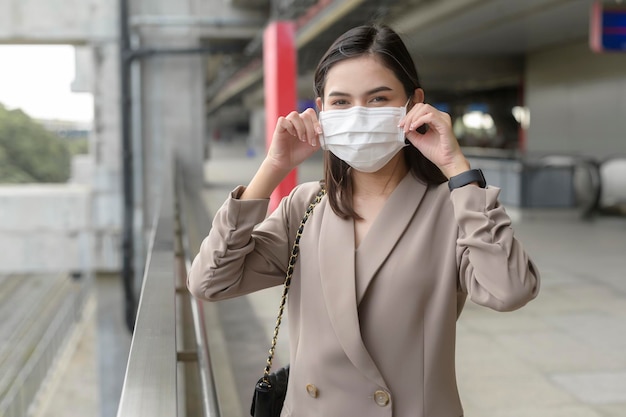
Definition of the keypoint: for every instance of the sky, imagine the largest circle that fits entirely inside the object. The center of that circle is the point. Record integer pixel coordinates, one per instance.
(38, 78)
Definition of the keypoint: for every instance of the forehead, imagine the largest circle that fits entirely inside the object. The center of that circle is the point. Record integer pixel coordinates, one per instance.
(355, 75)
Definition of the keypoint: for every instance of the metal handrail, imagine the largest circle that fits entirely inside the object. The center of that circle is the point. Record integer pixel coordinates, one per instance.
(153, 384)
(210, 402)
(150, 384)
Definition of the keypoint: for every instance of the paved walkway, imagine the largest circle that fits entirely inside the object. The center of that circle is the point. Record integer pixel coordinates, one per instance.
(563, 355)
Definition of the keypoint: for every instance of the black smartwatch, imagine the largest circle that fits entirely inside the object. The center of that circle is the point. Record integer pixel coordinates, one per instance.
(467, 177)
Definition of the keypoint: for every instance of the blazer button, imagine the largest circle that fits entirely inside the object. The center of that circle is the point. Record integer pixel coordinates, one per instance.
(312, 390)
(381, 398)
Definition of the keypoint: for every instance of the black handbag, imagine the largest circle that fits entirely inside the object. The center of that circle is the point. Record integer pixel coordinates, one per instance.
(271, 388)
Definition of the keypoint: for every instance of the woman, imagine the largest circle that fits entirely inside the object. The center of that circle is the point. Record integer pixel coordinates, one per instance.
(387, 258)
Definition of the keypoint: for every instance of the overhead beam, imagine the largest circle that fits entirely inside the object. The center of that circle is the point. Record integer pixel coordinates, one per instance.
(33, 40)
(431, 13)
(208, 27)
(324, 19)
(253, 74)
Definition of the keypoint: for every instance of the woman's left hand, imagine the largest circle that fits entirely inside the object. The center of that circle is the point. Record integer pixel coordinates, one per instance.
(438, 144)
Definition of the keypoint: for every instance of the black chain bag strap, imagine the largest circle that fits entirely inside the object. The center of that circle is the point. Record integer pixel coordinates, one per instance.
(270, 389)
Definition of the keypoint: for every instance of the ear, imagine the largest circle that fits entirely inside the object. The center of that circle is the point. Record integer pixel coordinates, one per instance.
(318, 103)
(418, 96)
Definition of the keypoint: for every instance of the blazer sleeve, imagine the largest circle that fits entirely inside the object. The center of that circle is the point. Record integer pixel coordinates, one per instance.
(494, 269)
(244, 251)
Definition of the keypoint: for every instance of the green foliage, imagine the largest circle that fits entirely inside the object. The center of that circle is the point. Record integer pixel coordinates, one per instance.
(78, 146)
(28, 152)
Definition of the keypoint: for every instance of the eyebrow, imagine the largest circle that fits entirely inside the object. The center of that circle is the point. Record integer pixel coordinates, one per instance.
(370, 92)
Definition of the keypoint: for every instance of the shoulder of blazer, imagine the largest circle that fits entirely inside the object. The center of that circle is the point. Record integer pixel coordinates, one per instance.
(299, 199)
(306, 191)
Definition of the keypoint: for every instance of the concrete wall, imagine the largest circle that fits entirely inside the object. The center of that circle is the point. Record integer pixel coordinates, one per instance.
(45, 228)
(577, 101)
(57, 21)
(168, 97)
(93, 27)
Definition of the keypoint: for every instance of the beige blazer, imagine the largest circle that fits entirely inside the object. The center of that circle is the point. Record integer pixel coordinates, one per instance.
(372, 329)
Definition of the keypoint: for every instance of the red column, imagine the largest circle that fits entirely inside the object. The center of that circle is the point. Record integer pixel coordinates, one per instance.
(279, 65)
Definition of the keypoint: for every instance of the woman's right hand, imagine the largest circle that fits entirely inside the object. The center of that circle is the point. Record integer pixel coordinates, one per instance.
(296, 138)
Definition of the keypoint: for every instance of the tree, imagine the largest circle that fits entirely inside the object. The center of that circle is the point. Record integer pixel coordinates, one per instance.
(28, 152)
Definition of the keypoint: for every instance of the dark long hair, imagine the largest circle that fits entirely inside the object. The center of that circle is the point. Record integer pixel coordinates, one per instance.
(384, 43)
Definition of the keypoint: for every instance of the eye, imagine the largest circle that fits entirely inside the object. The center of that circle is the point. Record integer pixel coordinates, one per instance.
(339, 102)
(379, 100)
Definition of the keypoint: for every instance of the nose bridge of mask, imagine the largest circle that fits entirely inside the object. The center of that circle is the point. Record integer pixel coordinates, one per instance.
(371, 122)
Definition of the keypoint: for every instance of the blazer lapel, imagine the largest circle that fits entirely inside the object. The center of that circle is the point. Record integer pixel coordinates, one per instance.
(387, 229)
(339, 288)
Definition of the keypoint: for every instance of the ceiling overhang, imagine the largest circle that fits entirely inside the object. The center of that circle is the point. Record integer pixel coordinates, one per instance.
(458, 45)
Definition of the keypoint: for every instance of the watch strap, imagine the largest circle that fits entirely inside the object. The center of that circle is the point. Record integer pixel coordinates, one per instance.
(467, 177)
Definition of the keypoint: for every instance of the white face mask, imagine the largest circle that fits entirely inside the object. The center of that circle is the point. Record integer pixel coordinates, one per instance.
(366, 138)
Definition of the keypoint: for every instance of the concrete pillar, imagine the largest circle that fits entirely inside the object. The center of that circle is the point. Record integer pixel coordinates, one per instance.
(105, 151)
(172, 121)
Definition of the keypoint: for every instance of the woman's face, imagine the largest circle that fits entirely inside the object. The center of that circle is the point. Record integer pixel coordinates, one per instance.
(361, 81)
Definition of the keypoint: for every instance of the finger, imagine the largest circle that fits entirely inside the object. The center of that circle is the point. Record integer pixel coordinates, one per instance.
(298, 125)
(286, 125)
(420, 121)
(312, 125)
(439, 121)
(422, 129)
(414, 137)
(316, 123)
(432, 118)
(416, 111)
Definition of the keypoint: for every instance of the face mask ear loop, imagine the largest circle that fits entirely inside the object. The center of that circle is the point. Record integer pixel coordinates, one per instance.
(321, 137)
(406, 110)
